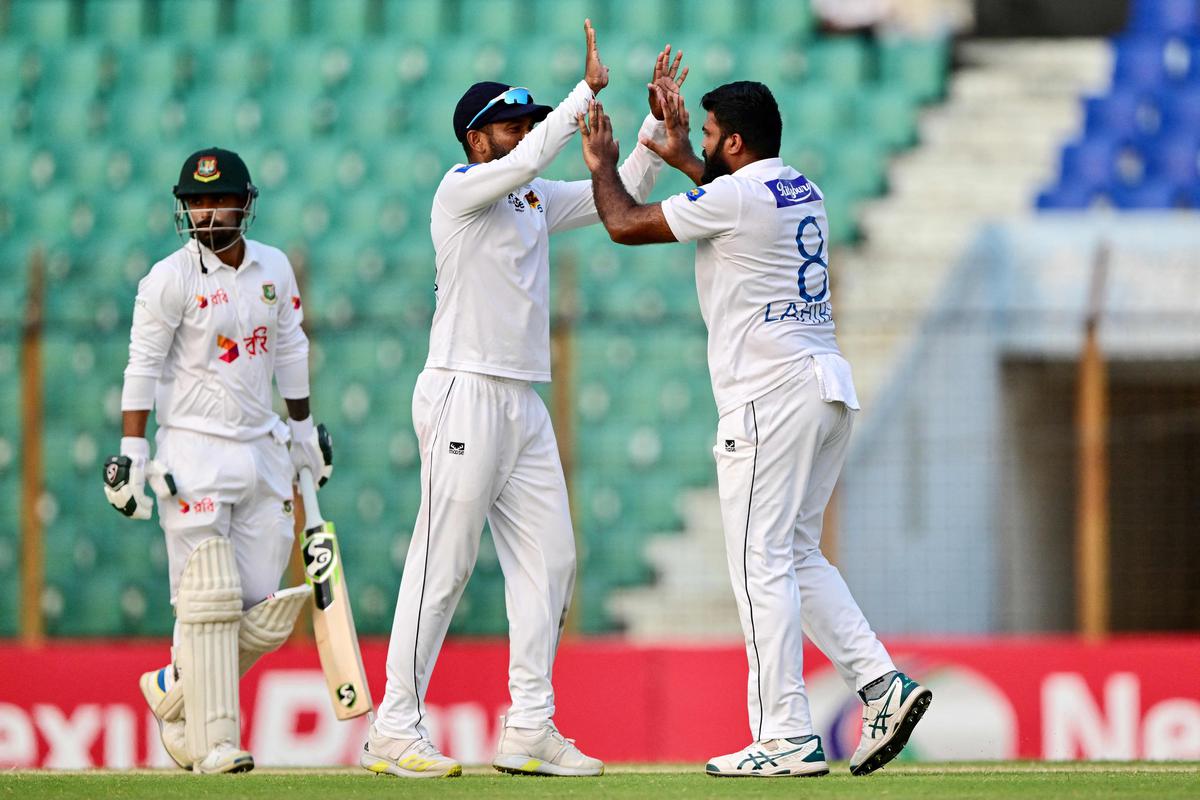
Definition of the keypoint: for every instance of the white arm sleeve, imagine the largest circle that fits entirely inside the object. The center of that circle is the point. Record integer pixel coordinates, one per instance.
(157, 312)
(470, 187)
(291, 359)
(570, 204)
(704, 212)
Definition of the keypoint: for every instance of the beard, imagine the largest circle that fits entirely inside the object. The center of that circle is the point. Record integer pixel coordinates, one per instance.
(218, 239)
(497, 149)
(715, 165)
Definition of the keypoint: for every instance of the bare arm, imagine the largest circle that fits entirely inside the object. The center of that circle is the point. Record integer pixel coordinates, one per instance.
(133, 423)
(297, 409)
(626, 221)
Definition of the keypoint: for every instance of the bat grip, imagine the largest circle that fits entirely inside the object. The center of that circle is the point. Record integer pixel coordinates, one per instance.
(308, 493)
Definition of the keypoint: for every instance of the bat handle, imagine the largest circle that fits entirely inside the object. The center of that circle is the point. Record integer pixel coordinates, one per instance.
(308, 493)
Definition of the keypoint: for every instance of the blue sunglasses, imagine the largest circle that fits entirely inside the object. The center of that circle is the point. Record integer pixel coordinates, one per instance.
(514, 95)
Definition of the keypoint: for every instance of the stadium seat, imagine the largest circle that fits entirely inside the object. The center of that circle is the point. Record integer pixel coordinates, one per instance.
(1153, 193)
(342, 20)
(40, 20)
(794, 20)
(889, 113)
(1123, 114)
(276, 21)
(1140, 62)
(189, 20)
(1175, 159)
(842, 61)
(564, 18)
(1180, 17)
(915, 67)
(417, 19)
(1070, 196)
(114, 20)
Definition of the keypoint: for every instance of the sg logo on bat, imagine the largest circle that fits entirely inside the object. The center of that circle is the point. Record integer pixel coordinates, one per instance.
(347, 695)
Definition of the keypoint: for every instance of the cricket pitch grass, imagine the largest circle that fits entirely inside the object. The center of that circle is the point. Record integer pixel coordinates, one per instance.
(904, 780)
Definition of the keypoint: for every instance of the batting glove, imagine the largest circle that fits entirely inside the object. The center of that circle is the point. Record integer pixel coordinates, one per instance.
(311, 447)
(126, 475)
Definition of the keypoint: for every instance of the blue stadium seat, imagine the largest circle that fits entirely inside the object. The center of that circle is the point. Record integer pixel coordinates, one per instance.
(1180, 111)
(1140, 62)
(1154, 193)
(1123, 114)
(1175, 158)
(1070, 196)
(1090, 163)
(1180, 17)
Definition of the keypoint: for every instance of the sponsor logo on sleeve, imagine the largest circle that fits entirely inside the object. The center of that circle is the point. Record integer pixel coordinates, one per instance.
(296, 302)
(694, 194)
(458, 448)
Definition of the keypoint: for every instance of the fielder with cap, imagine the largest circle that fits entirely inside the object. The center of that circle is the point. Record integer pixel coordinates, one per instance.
(213, 324)
(487, 447)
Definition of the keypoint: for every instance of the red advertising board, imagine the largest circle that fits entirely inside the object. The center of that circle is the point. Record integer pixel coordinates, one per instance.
(77, 705)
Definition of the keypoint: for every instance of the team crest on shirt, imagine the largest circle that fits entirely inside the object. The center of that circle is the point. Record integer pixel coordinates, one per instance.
(206, 169)
(534, 202)
(269, 294)
(694, 194)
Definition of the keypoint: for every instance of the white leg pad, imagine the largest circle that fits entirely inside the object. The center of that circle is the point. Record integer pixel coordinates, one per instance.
(265, 627)
(268, 625)
(209, 609)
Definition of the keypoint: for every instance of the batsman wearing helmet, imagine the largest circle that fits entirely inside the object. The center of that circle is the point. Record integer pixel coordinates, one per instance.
(213, 324)
(488, 450)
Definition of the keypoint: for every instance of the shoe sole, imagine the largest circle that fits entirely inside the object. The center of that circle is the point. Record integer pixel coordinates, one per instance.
(381, 766)
(239, 765)
(767, 775)
(147, 695)
(890, 748)
(523, 765)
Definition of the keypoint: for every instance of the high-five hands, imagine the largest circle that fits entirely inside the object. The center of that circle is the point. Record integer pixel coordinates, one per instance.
(676, 150)
(664, 79)
(594, 71)
(600, 149)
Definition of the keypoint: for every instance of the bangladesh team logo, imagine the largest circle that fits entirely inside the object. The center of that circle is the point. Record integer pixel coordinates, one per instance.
(269, 294)
(206, 169)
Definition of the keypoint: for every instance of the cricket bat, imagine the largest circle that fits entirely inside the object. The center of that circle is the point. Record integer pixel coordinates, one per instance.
(333, 621)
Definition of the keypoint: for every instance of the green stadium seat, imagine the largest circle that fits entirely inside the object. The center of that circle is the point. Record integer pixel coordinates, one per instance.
(16, 60)
(640, 18)
(889, 114)
(794, 19)
(158, 66)
(85, 608)
(417, 19)
(114, 20)
(382, 68)
(148, 117)
(565, 18)
(342, 20)
(842, 62)
(859, 163)
(918, 68)
(190, 20)
(501, 19)
(276, 21)
(41, 20)
(241, 64)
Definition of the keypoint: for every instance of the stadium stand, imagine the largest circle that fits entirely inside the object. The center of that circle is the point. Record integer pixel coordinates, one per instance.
(1140, 144)
(342, 109)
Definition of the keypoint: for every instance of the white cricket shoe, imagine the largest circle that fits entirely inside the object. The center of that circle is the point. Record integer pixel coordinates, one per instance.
(800, 756)
(888, 721)
(154, 688)
(542, 752)
(406, 758)
(224, 757)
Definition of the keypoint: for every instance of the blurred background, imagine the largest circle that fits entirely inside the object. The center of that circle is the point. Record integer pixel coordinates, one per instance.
(1011, 189)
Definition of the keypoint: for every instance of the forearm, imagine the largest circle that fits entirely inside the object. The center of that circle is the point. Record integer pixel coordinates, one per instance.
(625, 220)
(133, 423)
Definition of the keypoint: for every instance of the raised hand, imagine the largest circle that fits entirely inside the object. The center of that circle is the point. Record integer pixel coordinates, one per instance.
(600, 149)
(594, 71)
(677, 149)
(665, 73)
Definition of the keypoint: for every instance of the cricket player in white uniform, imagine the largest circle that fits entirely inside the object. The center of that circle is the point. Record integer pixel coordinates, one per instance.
(786, 403)
(487, 447)
(213, 324)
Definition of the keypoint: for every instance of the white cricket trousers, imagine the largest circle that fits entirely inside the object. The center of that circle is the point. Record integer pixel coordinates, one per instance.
(239, 490)
(487, 452)
(778, 458)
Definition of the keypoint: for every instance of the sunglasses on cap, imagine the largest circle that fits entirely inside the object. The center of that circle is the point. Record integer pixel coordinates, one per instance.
(514, 95)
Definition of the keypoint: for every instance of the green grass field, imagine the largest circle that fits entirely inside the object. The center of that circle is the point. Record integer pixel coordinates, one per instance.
(959, 781)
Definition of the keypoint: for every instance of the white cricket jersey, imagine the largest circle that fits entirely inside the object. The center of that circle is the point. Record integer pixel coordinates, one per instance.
(490, 227)
(762, 276)
(206, 341)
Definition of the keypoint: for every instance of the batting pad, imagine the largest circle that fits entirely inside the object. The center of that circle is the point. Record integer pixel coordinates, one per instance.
(268, 625)
(264, 628)
(209, 609)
